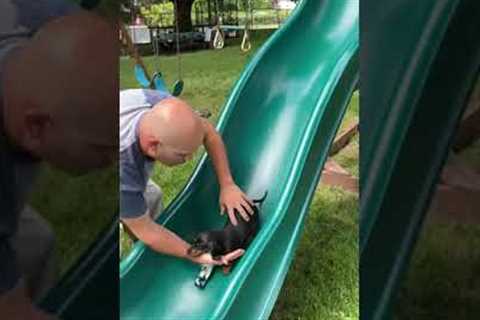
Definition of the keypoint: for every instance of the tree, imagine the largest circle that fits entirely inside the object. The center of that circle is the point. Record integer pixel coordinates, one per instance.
(183, 13)
(150, 9)
(183, 10)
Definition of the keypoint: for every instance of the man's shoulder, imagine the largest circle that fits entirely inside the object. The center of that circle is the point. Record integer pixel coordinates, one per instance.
(25, 17)
(141, 97)
(132, 106)
(143, 91)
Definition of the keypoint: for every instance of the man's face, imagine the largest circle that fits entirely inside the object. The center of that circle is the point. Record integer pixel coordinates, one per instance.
(172, 156)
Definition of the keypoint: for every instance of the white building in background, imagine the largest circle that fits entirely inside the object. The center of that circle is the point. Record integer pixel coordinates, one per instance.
(284, 4)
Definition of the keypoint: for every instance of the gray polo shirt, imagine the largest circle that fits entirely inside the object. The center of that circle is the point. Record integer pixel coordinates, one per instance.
(135, 167)
(19, 20)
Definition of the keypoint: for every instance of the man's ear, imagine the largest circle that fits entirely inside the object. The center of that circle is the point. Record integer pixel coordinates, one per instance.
(152, 147)
(35, 126)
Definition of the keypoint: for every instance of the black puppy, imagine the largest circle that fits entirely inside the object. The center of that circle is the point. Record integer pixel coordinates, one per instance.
(230, 238)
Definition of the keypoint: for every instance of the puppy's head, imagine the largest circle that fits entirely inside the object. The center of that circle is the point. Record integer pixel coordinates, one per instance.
(203, 243)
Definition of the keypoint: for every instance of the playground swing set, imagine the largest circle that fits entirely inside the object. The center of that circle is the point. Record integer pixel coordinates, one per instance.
(213, 21)
(220, 29)
(141, 73)
(156, 81)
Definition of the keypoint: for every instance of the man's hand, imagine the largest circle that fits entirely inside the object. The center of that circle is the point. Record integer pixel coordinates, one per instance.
(231, 198)
(226, 260)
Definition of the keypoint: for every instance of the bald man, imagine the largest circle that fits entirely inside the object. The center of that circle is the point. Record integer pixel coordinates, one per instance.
(58, 104)
(155, 126)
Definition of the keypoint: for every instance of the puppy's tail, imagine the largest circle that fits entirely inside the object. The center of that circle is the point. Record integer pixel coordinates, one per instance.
(260, 201)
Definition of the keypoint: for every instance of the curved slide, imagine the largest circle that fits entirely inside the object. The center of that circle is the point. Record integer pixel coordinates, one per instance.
(278, 125)
(403, 155)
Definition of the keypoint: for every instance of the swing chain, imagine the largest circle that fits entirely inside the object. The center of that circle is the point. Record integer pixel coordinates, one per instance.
(218, 40)
(177, 36)
(246, 44)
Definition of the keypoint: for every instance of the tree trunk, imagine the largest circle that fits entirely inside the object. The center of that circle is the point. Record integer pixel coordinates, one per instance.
(184, 14)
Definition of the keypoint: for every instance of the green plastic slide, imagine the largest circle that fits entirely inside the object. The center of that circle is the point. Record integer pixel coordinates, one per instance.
(278, 125)
(89, 289)
(421, 61)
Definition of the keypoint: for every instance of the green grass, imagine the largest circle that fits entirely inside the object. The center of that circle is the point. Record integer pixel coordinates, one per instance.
(471, 156)
(351, 116)
(322, 282)
(348, 157)
(78, 208)
(443, 281)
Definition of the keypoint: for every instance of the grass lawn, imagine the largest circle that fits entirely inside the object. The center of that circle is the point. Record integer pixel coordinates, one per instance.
(443, 279)
(78, 208)
(322, 282)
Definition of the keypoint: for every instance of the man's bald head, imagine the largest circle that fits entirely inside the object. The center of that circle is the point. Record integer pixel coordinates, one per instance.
(63, 82)
(173, 125)
(79, 56)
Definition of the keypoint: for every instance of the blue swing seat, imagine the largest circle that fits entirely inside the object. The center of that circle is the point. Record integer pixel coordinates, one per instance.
(157, 82)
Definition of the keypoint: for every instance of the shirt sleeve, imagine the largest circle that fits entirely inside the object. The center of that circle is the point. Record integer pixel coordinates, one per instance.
(132, 185)
(132, 204)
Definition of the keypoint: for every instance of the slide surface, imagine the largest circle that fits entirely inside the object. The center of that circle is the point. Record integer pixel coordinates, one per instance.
(413, 115)
(278, 125)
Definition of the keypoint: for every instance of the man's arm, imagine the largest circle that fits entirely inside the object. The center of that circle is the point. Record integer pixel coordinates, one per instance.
(216, 150)
(231, 197)
(156, 236)
(164, 241)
